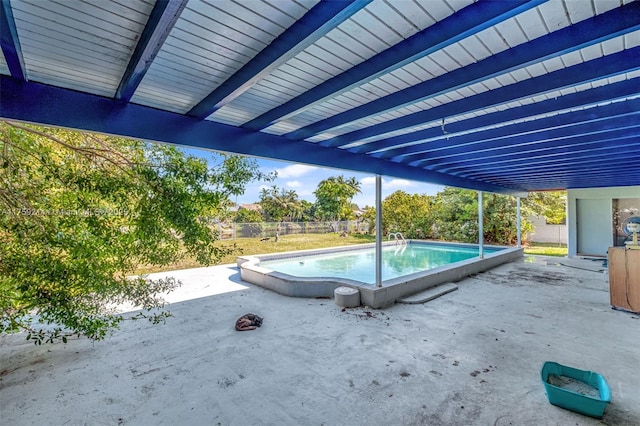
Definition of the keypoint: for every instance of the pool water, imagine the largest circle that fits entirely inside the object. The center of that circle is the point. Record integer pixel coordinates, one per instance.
(359, 264)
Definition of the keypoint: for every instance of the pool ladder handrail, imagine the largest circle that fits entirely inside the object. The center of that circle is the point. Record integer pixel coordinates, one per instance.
(398, 237)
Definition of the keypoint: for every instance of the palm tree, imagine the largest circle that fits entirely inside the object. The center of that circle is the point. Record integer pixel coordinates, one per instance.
(279, 204)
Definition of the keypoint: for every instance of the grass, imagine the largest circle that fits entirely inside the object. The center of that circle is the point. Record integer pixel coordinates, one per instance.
(249, 246)
(546, 249)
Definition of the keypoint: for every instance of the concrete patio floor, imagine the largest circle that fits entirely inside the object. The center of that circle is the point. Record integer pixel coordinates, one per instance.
(471, 357)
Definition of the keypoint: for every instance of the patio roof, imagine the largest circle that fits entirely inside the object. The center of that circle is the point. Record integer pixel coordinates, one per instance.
(500, 96)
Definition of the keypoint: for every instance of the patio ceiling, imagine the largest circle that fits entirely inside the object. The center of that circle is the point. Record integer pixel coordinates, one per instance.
(501, 96)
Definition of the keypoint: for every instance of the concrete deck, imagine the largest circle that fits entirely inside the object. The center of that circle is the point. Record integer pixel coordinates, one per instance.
(472, 357)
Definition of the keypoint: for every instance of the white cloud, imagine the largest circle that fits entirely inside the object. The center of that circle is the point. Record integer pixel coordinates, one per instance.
(294, 171)
(369, 180)
(306, 194)
(293, 184)
(399, 183)
(393, 183)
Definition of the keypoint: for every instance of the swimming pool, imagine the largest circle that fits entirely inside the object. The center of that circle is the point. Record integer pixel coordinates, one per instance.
(358, 265)
(322, 282)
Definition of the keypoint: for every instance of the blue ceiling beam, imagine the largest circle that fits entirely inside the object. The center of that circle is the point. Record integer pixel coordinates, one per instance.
(462, 24)
(614, 162)
(614, 23)
(603, 67)
(161, 20)
(614, 91)
(606, 162)
(524, 148)
(532, 151)
(466, 144)
(584, 146)
(48, 105)
(569, 123)
(583, 183)
(316, 23)
(551, 180)
(598, 161)
(570, 181)
(574, 181)
(536, 151)
(560, 163)
(555, 179)
(10, 42)
(520, 141)
(629, 140)
(538, 175)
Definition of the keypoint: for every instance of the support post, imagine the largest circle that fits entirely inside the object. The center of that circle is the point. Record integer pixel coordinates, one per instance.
(378, 231)
(480, 228)
(518, 223)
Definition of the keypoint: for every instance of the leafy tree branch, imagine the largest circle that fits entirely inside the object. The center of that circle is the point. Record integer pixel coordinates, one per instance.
(79, 213)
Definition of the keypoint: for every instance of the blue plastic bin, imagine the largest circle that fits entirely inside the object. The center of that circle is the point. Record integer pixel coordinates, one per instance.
(565, 398)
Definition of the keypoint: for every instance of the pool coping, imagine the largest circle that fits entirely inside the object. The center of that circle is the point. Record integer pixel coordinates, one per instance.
(375, 297)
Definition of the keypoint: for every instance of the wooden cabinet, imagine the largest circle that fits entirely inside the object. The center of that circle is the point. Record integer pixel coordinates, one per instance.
(624, 278)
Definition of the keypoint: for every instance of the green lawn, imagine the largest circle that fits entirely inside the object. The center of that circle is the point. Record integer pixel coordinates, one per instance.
(249, 246)
(546, 249)
(294, 242)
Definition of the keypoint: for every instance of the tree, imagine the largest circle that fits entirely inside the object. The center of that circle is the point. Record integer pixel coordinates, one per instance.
(308, 211)
(500, 217)
(248, 216)
(407, 213)
(550, 204)
(369, 216)
(278, 204)
(249, 222)
(456, 214)
(79, 213)
(333, 198)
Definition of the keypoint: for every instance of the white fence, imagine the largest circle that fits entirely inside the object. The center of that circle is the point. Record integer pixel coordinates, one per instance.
(269, 229)
(544, 233)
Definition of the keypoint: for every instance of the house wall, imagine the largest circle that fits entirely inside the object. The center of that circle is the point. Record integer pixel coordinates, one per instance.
(596, 217)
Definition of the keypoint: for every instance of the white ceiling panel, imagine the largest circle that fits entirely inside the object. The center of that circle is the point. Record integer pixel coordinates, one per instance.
(492, 40)
(4, 68)
(511, 32)
(230, 32)
(555, 15)
(532, 24)
(632, 40)
(78, 43)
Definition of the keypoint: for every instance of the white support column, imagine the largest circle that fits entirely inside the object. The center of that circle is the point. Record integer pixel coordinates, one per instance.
(480, 228)
(378, 231)
(518, 223)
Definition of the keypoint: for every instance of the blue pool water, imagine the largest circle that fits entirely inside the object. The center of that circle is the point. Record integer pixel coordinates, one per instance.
(359, 264)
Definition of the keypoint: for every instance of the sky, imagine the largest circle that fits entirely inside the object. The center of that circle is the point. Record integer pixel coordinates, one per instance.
(304, 180)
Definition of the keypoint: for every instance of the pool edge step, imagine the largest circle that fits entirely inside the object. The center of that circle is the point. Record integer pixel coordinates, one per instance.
(429, 294)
